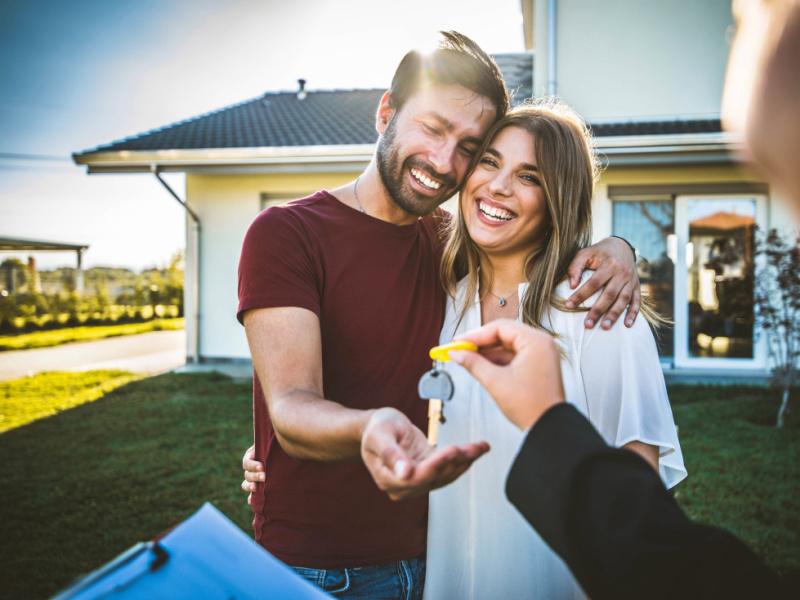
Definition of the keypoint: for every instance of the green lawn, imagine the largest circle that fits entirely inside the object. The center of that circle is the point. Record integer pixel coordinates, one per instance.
(80, 487)
(84, 485)
(744, 474)
(45, 394)
(56, 337)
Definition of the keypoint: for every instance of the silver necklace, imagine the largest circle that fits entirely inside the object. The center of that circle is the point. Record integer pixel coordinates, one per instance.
(501, 300)
(355, 193)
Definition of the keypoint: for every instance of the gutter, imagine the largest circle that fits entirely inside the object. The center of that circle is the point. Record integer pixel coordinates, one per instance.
(551, 47)
(181, 160)
(194, 350)
(678, 149)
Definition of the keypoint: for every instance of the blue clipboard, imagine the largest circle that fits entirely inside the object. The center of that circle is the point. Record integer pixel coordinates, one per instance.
(206, 556)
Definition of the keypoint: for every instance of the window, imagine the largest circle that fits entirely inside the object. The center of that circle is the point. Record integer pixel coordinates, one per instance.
(699, 271)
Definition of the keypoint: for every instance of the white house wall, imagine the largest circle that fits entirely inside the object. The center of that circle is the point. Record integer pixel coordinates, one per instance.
(633, 59)
(226, 205)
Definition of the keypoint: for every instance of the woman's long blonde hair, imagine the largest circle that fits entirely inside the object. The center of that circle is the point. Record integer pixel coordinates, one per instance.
(567, 171)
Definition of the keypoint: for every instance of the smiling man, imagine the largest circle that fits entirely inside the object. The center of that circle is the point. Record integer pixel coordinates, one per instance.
(340, 298)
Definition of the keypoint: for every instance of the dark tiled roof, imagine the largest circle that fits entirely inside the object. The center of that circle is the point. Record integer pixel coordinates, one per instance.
(279, 119)
(276, 119)
(656, 127)
(337, 117)
(517, 69)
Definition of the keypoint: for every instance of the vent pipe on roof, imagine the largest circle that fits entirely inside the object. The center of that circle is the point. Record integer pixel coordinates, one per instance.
(301, 91)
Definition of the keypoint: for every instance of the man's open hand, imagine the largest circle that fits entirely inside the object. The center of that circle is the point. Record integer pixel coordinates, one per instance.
(401, 461)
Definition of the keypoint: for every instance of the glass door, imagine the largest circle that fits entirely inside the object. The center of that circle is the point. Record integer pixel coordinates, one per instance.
(714, 279)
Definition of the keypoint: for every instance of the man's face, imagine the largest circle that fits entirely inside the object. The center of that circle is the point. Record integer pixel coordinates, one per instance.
(426, 147)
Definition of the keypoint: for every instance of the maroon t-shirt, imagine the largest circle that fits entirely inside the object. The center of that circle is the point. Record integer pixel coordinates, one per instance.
(376, 291)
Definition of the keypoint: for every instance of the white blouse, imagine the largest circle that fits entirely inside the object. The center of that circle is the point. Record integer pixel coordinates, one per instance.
(479, 546)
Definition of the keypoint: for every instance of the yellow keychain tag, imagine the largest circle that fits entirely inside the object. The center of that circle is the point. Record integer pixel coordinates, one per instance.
(442, 353)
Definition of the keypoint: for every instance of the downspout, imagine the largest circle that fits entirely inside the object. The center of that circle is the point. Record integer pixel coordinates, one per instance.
(195, 245)
(551, 47)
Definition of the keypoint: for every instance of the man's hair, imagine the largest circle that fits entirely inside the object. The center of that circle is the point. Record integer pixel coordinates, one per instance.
(456, 60)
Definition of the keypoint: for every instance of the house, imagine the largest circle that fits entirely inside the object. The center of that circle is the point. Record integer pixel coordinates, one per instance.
(647, 75)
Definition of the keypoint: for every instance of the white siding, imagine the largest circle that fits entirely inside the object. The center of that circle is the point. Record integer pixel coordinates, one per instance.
(622, 59)
(226, 205)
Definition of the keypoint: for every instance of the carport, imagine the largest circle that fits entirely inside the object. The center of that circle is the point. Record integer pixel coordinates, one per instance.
(18, 245)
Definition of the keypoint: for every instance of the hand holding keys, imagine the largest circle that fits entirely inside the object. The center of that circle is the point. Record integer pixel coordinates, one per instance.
(436, 386)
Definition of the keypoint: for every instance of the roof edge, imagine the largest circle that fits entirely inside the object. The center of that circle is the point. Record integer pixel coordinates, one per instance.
(687, 140)
(227, 156)
(719, 143)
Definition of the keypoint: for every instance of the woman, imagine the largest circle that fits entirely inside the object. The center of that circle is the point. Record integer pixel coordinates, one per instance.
(523, 213)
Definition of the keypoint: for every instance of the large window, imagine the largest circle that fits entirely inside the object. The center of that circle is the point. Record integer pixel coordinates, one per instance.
(698, 270)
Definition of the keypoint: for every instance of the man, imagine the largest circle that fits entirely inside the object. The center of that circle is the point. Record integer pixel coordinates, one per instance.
(604, 510)
(340, 299)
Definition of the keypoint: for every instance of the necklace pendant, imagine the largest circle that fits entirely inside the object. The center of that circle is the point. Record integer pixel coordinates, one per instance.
(502, 301)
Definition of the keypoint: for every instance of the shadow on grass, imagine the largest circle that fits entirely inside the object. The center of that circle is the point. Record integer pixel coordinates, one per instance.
(743, 474)
(86, 484)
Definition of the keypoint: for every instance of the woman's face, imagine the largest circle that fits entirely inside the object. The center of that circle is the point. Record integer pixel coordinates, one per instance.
(502, 202)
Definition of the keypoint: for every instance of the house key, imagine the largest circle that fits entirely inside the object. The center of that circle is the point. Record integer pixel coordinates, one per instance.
(437, 387)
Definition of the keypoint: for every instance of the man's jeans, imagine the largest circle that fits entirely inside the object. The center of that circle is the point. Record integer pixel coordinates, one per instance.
(402, 580)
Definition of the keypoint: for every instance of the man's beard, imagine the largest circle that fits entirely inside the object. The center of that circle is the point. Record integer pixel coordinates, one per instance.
(401, 193)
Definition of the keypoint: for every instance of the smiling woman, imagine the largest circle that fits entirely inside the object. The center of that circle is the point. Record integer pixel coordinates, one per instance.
(503, 203)
(527, 203)
(524, 212)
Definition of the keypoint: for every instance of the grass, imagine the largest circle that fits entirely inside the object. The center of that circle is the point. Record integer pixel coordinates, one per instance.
(86, 484)
(45, 394)
(82, 486)
(744, 474)
(56, 337)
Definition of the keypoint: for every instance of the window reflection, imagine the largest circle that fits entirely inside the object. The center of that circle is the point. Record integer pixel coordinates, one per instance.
(650, 225)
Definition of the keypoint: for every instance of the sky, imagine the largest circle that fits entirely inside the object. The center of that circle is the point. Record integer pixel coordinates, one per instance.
(79, 74)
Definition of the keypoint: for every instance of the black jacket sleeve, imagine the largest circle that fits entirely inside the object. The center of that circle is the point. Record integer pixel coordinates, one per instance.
(607, 514)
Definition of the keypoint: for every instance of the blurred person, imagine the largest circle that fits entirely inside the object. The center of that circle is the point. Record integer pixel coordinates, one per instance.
(761, 99)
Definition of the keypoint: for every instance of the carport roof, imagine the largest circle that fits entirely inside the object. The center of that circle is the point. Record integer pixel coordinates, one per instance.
(14, 244)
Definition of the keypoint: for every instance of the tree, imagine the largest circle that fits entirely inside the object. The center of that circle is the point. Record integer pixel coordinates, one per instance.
(777, 304)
